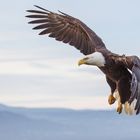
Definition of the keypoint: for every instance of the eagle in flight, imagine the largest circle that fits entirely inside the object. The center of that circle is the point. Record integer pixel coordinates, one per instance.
(122, 72)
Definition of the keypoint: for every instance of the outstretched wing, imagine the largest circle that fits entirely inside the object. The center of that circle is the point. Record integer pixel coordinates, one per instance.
(66, 28)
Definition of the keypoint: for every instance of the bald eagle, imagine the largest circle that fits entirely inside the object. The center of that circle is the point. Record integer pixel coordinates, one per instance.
(122, 72)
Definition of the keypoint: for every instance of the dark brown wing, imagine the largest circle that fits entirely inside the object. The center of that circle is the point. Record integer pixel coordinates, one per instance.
(66, 28)
(135, 83)
(133, 64)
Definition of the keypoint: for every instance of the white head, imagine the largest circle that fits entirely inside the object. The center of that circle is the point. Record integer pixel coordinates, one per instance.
(96, 59)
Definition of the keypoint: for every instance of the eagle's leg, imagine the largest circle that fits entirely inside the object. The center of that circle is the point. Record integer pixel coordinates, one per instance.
(124, 92)
(118, 98)
(111, 98)
(120, 107)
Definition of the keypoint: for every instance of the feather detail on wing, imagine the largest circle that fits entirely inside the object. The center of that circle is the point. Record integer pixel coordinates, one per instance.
(132, 63)
(135, 84)
(67, 29)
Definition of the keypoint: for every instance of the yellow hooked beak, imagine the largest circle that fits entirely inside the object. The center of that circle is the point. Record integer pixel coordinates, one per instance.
(82, 61)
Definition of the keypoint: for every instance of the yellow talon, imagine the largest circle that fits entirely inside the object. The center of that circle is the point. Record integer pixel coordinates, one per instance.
(111, 99)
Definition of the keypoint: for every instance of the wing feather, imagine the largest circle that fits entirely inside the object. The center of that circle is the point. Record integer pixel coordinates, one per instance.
(36, 11)
(135, 83)
(36, 16)
(136, 87)
(39, 21)
(133, 64)
(67, 29)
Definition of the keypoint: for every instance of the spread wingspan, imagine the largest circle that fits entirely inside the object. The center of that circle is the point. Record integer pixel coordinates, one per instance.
(67, 29)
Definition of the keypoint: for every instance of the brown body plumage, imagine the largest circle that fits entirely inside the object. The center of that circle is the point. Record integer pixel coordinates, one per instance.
(70, 30)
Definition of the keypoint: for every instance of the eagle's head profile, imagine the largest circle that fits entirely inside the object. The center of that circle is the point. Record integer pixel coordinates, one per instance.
(96, 59)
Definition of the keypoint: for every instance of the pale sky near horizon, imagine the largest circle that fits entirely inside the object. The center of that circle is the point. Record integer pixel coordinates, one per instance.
(36, 71)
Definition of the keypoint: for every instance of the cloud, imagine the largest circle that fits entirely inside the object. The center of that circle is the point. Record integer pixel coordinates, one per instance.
(24, 83)
(73, 102)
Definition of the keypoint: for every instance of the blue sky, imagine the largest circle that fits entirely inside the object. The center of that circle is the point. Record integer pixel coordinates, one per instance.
(36, 71)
